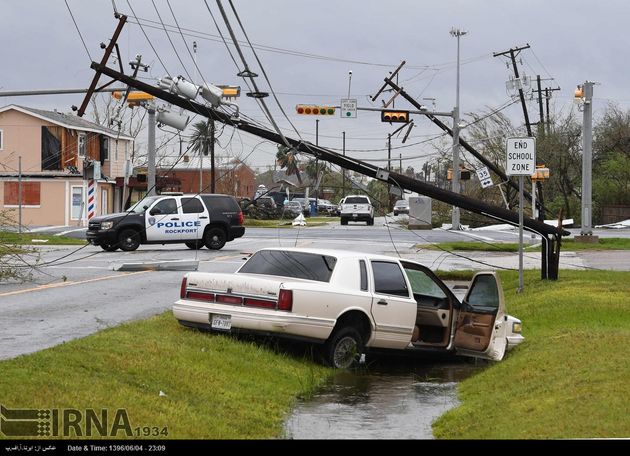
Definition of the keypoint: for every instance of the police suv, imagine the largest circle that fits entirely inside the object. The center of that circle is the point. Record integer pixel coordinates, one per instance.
(195, 220)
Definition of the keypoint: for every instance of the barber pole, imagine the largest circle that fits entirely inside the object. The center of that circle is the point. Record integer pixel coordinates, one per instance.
(91, 198)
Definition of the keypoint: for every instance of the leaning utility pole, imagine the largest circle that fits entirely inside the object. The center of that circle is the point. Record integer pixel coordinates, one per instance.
(151, 190)
(513, 53)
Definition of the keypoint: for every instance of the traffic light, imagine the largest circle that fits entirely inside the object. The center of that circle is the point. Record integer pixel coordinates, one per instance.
(464, 174)
(134, 98)
(315, 109)
(395, 116)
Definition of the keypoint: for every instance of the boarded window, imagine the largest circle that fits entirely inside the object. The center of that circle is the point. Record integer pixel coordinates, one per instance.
(51, 151)
(81, 146)
(30, 193)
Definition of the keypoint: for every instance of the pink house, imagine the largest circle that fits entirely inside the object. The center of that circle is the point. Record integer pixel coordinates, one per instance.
(53, 148)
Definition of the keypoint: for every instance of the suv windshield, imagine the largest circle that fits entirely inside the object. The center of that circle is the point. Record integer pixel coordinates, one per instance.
(298, 265)
(139, 207)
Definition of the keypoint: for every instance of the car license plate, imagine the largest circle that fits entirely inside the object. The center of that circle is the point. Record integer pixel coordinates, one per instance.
(355, 215)
(221, 322)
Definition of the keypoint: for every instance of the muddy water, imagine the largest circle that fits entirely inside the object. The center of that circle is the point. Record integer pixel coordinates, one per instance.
(396, 400)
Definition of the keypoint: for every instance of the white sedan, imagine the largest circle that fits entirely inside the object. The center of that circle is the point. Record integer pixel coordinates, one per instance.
(350, 302)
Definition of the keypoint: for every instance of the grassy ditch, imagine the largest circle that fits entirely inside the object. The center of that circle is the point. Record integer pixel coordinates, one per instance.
(570, 377)
(10, 237)
(567, 245)
(214, 387)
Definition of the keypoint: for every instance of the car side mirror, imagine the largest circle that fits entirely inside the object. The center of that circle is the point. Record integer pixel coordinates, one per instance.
(155, 211)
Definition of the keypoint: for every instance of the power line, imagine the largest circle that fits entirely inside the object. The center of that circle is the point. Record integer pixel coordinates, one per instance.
(78, 31)
(171, 41)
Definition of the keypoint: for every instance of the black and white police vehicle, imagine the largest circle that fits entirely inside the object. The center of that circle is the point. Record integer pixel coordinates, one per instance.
(195, 220)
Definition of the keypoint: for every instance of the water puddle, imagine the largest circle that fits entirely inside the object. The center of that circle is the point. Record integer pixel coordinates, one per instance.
(396, 400)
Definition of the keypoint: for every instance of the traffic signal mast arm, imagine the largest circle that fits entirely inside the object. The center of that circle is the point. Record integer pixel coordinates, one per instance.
(322, 153)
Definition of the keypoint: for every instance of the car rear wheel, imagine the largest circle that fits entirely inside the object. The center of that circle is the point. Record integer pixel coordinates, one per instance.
(109, 247)
(195, 245)
(344, 348)
(215, 238)
(370, 222)
(344, 221)
(129, 240)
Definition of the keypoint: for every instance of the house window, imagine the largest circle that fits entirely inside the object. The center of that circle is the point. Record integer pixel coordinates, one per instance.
(81, 145)
(30, 193)
(1, 140)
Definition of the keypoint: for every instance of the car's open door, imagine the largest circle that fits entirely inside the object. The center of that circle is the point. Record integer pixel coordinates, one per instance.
(480, 330)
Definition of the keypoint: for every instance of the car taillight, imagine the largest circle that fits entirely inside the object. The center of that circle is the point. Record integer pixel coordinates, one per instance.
(285, 300)
(182, 289)
(265, 303)
(200, 296)
(241, 218)
(226, 299)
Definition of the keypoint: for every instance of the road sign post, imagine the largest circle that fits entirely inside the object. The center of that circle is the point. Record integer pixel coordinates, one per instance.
(521, 162)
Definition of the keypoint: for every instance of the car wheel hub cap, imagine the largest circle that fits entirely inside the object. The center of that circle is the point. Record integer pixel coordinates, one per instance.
(345, 352)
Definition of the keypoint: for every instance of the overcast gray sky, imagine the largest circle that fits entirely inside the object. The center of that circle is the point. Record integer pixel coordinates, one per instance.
(571, 41)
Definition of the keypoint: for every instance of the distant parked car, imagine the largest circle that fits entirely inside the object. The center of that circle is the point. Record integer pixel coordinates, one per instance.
(350, 302)
(293, 208)
(306, 208)
(326, 207)
(401, 207)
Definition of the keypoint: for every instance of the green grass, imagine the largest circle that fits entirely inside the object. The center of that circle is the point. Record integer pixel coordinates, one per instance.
(567, 245)
(310, 221)
(10, 237)
(570, 378)
(216, 387)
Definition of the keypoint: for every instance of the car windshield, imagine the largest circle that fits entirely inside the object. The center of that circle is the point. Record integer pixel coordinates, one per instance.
(401, 203)
(297, 265)
(356, 200)
(139, 207)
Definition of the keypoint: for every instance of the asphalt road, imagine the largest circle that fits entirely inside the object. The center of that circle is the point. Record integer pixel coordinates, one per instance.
(75, 292)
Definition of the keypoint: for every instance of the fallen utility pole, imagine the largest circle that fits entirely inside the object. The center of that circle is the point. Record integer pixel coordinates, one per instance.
(550, 261)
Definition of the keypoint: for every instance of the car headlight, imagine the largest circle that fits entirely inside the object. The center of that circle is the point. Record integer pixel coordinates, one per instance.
(107, 225)
(517, 327)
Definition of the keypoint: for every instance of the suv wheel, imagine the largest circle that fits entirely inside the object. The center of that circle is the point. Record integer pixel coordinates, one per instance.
(109, 247)
(344, 221)
(129, 240)
(370, 222)
(215, 238)
(195, 245)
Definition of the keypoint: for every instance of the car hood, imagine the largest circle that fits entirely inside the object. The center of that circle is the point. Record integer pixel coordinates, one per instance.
(111, 217)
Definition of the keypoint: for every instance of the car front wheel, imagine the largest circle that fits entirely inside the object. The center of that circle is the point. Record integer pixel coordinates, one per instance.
(215, 238)
(129, 240)
(343, 350)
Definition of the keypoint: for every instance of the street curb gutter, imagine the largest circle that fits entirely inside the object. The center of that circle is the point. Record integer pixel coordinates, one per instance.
(166, 265)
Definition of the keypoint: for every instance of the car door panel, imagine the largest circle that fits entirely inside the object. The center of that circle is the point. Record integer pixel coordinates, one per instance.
(480, 328)
(393, 310)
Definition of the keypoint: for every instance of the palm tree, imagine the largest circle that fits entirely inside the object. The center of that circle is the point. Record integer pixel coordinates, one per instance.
(201, 142)
(287, 158)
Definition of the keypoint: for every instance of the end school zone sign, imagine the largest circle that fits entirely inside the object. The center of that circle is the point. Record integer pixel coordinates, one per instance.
(521, 156)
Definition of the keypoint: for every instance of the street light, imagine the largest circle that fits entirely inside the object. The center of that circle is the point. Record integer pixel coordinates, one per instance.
(457, 33)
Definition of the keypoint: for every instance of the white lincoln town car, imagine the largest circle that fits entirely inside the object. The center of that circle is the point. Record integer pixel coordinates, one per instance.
(350, 302)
